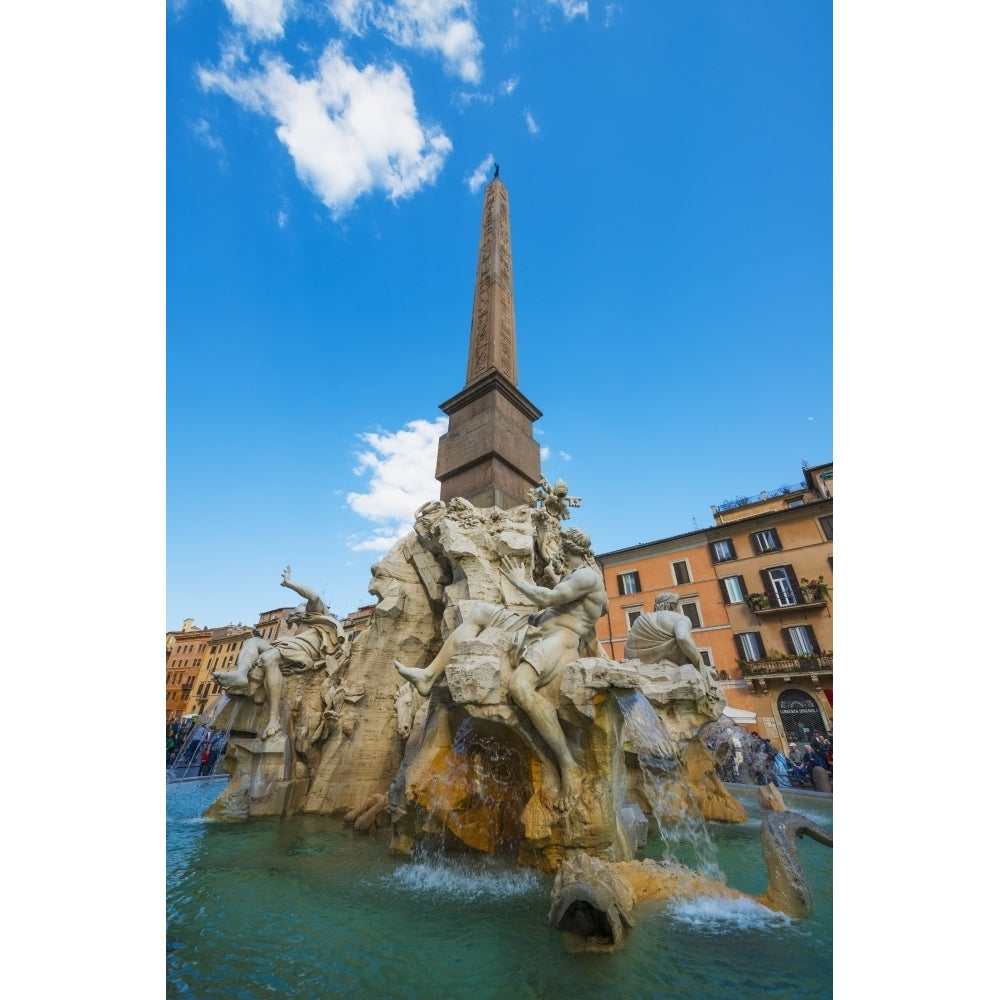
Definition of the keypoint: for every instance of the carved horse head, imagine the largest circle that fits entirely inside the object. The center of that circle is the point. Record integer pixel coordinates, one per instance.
(406, 708)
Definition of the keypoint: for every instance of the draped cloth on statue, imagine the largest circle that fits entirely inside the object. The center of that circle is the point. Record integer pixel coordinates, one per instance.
(319, 636)
(652, 640)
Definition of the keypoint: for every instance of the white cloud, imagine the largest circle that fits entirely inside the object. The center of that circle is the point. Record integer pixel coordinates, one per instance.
(529, 120)
(565, 456)
(352, 14)
(282, 220)
(572, 8)
(400, 466)
(464, 98)
(545, 452)
(350, 131)
(204, 133)
(261, 18)
(477, 178)
(445, 27)
(509, 86)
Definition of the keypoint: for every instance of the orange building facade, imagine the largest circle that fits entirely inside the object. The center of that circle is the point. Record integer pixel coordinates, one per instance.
(185, 652)
(758, 588)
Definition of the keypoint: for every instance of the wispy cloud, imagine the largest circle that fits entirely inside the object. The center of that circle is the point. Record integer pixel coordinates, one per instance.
(529, 120)
(509, 86)
(444, 27)
(260, 18)
(572, 8)
(400, 466)
(350, 131)
(204, 133)
(477, 178)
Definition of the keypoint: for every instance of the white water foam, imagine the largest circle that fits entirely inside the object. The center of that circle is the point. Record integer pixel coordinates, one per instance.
(724, 916)
(458, 882)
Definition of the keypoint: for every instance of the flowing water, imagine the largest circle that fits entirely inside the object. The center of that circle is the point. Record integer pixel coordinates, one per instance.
(306, 908)
(683, 829)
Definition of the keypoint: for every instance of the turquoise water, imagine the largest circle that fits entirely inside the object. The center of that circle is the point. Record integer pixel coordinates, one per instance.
(305, 908)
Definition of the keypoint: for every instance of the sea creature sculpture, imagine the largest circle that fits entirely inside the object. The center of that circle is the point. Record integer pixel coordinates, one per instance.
(592, 900)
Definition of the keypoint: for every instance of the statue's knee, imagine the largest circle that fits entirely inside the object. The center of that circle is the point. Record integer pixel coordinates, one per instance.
(520, 687)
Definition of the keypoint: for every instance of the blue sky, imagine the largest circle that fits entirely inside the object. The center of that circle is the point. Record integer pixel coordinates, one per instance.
(669, 167)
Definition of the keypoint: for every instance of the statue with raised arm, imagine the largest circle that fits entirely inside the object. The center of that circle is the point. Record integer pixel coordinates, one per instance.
(572, 608)
(318, 635)
(552, 639)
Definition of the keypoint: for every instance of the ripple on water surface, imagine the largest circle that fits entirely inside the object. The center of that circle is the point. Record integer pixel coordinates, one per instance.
(304, 908)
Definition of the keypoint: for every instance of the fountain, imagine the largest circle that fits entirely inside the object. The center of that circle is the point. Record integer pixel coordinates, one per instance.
(481, 739)
(457, 758)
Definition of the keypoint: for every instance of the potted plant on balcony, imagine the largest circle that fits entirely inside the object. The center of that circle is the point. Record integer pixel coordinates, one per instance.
(813, 590)
(758, 601)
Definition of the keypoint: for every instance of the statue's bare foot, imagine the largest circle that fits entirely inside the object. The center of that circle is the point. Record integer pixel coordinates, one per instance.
(417, 676)
(569, 789)
(234, 681)
(273, 729)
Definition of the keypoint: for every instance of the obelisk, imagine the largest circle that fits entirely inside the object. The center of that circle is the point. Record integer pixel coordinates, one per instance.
(488, 454)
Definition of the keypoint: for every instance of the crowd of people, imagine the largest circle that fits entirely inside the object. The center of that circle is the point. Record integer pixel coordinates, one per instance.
(752, 759)
(189, 744)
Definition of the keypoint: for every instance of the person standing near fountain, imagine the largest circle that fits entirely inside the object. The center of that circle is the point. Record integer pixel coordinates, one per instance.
(318, 635)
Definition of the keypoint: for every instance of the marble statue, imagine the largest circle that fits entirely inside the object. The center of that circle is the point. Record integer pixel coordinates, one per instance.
(318, 635)
(552, 505)
(547, 642)
(572, 609)
(664, 635)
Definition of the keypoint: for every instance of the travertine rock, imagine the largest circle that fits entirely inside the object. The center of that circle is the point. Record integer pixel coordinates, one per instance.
(465, 762)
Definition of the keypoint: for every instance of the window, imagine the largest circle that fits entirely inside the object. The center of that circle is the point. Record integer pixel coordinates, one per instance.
(800, 640)
(690, 608)
(722, 550)
(765, 541)
(681, 571)
(826, 526)
(734, 589)
(749, 646)
(706, 657)
(780, 581)
(628, 583)
(632, 615)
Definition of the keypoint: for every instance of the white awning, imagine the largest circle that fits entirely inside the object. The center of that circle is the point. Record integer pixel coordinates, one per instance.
(740, 716)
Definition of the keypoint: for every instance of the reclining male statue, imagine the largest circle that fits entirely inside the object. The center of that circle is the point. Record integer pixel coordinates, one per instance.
(665, 635)
(552, 639)
(318, 635)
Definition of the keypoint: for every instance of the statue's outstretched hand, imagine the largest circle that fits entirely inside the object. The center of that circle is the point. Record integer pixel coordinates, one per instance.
(513, 571)
(286, 577)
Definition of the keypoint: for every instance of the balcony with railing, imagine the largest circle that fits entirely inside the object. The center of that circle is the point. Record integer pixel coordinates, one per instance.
(817, 663)
(739, 502)
(806, 597)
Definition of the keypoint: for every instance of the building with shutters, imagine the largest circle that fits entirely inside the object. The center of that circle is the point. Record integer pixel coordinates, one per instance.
(758, 588)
